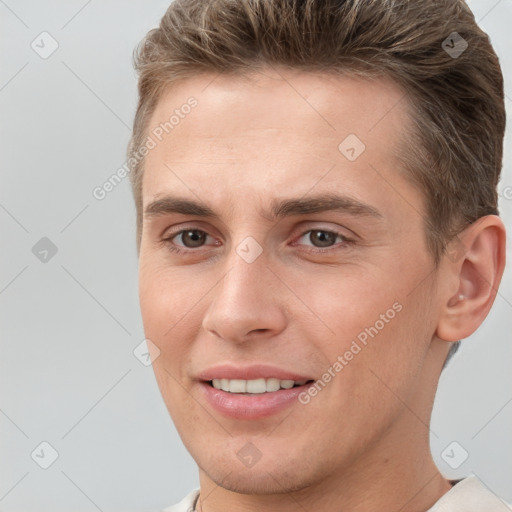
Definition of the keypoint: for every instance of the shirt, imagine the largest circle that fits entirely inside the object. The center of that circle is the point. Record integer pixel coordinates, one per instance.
(468, 495)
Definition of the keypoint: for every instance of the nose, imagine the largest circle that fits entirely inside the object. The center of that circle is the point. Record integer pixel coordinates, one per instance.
(246, 304)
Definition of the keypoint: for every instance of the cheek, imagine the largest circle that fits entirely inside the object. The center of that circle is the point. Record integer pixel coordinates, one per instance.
(163, 298)
(372, 323)
(367, 372)
(344, 304)
(166, 314)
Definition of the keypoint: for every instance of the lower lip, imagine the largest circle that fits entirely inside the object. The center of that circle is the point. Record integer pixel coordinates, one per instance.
(250, 407)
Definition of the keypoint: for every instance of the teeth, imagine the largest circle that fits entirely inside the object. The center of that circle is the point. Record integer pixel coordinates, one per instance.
(273, 385)
(238, 386)
(255, 386)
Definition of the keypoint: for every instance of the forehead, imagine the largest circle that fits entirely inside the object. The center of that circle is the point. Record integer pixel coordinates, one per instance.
(274, 130)
(327, 104)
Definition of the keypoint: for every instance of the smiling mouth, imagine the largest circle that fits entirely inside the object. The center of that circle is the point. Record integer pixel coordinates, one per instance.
(255, 386)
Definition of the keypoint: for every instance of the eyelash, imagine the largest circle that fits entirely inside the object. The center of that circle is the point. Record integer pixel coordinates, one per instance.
(314, 250)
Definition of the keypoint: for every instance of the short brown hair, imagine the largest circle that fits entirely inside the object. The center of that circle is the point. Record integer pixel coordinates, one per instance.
(456, 101)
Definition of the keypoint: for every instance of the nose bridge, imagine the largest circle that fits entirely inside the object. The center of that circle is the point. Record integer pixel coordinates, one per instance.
(244, 300)
(247, 268)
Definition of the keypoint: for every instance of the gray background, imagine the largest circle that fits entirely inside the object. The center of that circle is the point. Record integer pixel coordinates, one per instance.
(69, 325)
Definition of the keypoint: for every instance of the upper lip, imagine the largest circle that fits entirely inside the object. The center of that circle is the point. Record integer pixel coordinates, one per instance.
(254, 371)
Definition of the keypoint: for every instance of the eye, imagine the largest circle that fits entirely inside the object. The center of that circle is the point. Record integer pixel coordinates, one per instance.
(191, 238)
(323, 239)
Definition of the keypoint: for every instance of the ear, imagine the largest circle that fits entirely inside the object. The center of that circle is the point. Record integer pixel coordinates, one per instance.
(475, 261)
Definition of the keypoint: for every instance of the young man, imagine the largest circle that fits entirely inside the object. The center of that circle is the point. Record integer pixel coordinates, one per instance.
(317, 227)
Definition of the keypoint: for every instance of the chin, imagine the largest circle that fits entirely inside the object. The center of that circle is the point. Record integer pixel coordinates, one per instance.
(258, 481)
(275, 474)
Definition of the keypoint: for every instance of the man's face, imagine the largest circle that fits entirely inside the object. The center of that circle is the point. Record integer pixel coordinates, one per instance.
(253, 296)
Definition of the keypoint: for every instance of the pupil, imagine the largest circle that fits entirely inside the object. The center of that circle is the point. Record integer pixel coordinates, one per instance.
(324, 238)
(196, 237)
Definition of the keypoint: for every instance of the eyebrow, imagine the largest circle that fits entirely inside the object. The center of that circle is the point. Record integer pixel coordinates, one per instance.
(279, 208)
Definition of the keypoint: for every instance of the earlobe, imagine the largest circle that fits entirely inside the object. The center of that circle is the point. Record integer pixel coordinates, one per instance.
(477, 274)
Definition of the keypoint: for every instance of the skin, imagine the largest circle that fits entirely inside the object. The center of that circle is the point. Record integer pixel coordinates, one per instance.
(362, 443)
